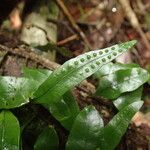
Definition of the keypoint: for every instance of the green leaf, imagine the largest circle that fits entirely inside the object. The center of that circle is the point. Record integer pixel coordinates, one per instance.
(128, 98)
(36, 74)
(47, 140)
(39, 75)
(15, 92)
(121, 81)
(33, 127)
(66, 109)
(73, 109)
(75, 70)
(111, 134)
(9, 131)
(113, 67)
(85, 131)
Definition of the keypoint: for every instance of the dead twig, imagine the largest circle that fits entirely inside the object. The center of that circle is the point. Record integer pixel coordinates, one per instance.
(72, 22)
(134, 21)
(28, 54)
(71, 38)
(39, 59)
(147, 6)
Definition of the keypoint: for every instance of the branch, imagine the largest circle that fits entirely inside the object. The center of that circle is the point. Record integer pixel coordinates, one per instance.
(39, 59)
(134, 21)
(72, 22)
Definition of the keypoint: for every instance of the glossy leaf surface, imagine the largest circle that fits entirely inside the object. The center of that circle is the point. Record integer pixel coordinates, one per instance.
(85, 131)
(64, 110)
(15, 92)
(127, 98)
(113, 67)
(75, 70)
(111, 134)
(37, 74)
(47, 140)
(9, 131)
(121, 81)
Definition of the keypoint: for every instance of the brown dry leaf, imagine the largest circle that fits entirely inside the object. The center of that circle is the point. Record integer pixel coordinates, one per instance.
(141, 118)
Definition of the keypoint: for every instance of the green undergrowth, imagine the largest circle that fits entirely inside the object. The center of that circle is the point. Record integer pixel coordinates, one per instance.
(119, 83)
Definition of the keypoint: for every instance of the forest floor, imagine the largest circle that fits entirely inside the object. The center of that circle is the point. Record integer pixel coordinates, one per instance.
(93, 25)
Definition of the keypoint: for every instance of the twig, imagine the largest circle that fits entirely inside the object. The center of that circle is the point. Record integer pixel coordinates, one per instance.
(28, 54)
(141, 6)
(101, 6)
(134, 21)
(71, 38)
(147, 6)
(72, 22)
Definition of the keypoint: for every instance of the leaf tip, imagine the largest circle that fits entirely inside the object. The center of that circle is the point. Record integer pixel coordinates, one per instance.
(133, 42)
(129, 44)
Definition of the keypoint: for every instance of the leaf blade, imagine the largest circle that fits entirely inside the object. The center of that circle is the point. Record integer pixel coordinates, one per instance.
(121, 81)
(75, 70)
(117, 126)
(15, 92)
(47, 140)
(65, 110)
(85, 130)
(9, 139)
(128, 98)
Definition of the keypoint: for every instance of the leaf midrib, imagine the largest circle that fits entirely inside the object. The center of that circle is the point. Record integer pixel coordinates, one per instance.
(74, 70)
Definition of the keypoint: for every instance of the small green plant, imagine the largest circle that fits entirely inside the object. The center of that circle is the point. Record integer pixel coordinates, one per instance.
(120, 83)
